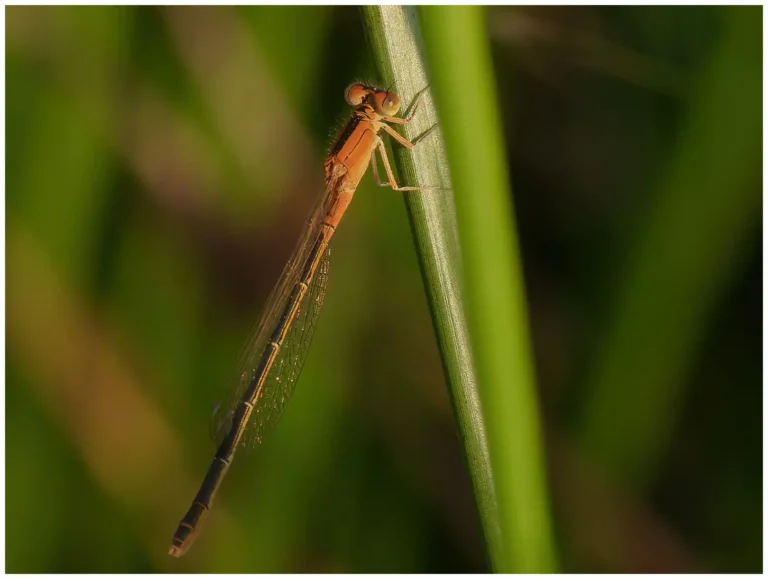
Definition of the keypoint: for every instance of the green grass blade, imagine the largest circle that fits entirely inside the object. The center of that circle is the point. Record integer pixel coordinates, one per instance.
(463, 81)
(502, 443)
(433, 222)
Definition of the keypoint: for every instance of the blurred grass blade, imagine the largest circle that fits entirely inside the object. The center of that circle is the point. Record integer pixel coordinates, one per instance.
(704, 215)
(502, 443)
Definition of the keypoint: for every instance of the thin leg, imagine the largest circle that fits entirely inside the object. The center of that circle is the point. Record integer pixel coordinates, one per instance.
(397, 136)
(388, 170)
(375, 169)
(425, 134)
(402, 140)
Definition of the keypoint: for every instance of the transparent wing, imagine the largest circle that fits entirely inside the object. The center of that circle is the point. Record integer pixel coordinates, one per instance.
(282, 378)
(284, 373)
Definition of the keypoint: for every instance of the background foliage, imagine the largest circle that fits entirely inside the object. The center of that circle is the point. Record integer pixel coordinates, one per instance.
(160, 163)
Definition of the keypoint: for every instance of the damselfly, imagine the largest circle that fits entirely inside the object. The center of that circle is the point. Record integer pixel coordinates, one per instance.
(273, 358)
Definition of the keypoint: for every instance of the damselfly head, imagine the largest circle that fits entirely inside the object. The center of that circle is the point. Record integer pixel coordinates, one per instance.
(385, 102)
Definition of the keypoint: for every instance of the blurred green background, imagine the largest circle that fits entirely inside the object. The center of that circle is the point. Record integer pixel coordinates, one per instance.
(160, 165)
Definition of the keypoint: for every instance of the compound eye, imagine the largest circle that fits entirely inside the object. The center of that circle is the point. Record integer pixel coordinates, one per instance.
(356, 93)
(387, 103)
